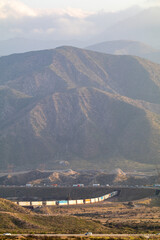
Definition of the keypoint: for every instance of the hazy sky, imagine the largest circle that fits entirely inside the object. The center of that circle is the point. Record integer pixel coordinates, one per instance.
(66, 19)
(90, 5)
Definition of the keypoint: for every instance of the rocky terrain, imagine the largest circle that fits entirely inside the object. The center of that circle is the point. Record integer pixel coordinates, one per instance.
(70, 177)
(79, 108)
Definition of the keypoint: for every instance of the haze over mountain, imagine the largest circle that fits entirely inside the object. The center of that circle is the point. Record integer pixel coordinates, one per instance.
(143, 27)
(126, 47)
(90, 109)
(38, 30)
(21, 45)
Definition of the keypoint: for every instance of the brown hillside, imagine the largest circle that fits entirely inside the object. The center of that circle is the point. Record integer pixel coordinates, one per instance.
(86, 108)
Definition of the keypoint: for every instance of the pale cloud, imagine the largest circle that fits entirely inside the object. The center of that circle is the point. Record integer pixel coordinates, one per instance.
(14, 9)
(152, 3)
(17, 19)
(72, 12)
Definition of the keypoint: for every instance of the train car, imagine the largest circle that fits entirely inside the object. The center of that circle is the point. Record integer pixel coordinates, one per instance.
(93, 200)
(78, 185)
(100, 199)
(50, 203)
(106, 196)
(24, 204)
(72, 202)
(96, 199)
(87, 201)
(62, 202)
(36, 203)
(114, 193)
(80, 201)
(65, 202)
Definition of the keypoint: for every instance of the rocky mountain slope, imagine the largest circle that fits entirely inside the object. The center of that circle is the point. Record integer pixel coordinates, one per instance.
(87, 108)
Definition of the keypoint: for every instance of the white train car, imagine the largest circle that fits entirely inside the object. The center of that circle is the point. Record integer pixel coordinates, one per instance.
(72, 202)
(106, 196)
(24, 204)
(80, 201)
(100, 199)
(50, 203)
(93, 200)
(96, 200)
(36, 203)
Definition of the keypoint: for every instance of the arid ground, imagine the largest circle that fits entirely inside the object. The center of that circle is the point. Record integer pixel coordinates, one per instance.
(138, 217)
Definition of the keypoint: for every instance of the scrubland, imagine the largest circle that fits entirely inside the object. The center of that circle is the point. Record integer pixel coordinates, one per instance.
(139, 217)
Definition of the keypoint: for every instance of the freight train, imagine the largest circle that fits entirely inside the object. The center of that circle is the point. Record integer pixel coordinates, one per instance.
(66, 202)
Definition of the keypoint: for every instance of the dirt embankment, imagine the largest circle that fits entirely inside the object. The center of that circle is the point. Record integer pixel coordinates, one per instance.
(69, 177)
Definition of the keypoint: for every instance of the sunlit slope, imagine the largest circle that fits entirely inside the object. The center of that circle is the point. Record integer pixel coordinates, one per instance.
(44, 72)
(16, 219)
(84, 107)
(83, 123)
(11, 103)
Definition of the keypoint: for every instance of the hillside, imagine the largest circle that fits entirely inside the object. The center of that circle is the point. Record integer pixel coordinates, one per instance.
(16, 219)
(87, 108)
(126, 47)
(122, 47)
(103, 218)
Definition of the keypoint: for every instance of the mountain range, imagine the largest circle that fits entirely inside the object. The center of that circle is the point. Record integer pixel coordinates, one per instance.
(143, 27)
(89, 109)
(136, 24)
(126, 47)
(116, 47)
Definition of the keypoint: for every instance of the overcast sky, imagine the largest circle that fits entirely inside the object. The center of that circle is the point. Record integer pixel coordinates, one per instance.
(91, 5)
(64, 19)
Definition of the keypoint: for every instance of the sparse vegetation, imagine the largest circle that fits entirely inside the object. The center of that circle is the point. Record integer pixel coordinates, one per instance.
(85, 107)
(32, 237)
(99, 218)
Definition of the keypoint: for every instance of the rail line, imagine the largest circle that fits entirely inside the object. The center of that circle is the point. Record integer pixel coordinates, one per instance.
(66, 202)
